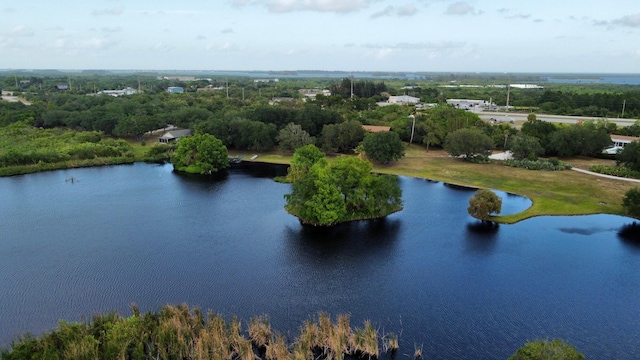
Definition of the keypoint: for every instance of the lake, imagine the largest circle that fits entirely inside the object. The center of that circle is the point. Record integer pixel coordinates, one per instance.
(430, 273)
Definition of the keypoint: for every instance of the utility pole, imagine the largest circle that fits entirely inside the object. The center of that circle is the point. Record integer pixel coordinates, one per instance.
(624, 103)
(227, 82)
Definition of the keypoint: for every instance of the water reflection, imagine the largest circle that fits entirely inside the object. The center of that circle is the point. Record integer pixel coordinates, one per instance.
(481, 236)
(630, 235)
(359, 238)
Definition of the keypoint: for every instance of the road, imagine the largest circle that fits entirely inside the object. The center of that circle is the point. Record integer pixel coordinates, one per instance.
(486, 115)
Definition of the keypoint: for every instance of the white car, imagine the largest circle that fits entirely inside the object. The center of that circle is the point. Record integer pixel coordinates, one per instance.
(612, 150)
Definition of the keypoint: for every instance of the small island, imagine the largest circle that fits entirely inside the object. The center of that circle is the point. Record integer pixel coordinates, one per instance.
(200, 154)
(328, 193)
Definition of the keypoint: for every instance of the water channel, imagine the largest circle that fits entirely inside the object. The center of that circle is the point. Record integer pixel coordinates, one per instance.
(84, 241)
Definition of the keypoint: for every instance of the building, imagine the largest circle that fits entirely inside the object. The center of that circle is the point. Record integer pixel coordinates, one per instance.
(404, 100)
(174, 135)
(312, 93)
(175, 89)
(177, 78)
(468, 104)
(622, 140)
(62, 87)
(116, 93)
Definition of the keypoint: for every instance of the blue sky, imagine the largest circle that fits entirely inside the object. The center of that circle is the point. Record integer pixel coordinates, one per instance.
(349, 35)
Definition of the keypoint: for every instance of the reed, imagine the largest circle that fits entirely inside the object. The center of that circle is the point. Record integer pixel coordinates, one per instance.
(390, 343)
(277, 349)
(365, 341)
(260, 331)
(417, 354)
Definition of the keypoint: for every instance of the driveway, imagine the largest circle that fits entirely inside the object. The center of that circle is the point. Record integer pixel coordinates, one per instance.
(605, 176)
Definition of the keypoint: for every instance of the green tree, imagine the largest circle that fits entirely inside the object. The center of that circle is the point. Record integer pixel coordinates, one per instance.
(434, 133)
(532, 117)
(383, 147)
(200, 154)
(483, 203)
(524, 146)
(630, 156)
(631, 202)
(303, 159)
(292, 137)
(343, 136)
(547, 350)
(471, 144)
(579, 140)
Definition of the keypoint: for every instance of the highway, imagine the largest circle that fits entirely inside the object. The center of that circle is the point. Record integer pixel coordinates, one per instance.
(520, 117)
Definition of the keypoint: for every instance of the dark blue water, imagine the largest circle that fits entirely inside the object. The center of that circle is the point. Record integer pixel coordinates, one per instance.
(142, 234)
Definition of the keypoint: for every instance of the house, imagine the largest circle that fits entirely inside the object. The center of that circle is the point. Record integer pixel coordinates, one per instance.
(174, 135)
(175, 89)
(619, 142)
(62, 87)
(374, 128)
(622, 140)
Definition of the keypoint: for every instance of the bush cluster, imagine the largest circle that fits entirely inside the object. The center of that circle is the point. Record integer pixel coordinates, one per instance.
(620, 171)
(551, 164)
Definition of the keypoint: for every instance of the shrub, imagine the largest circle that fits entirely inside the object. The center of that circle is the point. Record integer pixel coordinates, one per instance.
(545, 349)
(631, 202)
(620, 171)
(552, 164)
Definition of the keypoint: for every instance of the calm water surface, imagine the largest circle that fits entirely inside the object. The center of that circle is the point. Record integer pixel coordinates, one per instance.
(142, 234)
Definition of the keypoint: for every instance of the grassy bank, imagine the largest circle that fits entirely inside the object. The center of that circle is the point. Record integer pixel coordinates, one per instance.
(553, 193)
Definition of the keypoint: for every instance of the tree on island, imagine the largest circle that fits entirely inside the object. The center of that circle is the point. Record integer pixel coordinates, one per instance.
(200, 154)
(345, 190)
(484, 203)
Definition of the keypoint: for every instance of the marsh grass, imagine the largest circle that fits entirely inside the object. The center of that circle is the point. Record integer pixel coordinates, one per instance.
(417, 353)
(180, 332)
(390, 343)
(260, 331)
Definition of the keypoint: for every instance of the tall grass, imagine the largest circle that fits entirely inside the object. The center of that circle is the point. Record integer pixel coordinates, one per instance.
(180, 332)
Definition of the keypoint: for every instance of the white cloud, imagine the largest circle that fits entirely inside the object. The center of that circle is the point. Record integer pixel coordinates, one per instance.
(97, 43)
(226, 47)
(114, 29)
(419, 45)
(459, 8)
(8, 10)
(628, 20)
(406, 10)
(227, 31)
(387, 11)
(335, 6)
(21, 31)
(118, 10)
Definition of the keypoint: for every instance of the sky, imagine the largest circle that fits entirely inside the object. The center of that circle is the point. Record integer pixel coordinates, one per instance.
(559, 36)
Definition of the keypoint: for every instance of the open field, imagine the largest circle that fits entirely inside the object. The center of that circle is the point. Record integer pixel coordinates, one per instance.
(552, 193)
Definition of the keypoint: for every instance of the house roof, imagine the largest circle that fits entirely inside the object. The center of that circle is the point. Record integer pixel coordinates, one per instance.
(174, 134)
(624, 138)
(374, 128)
